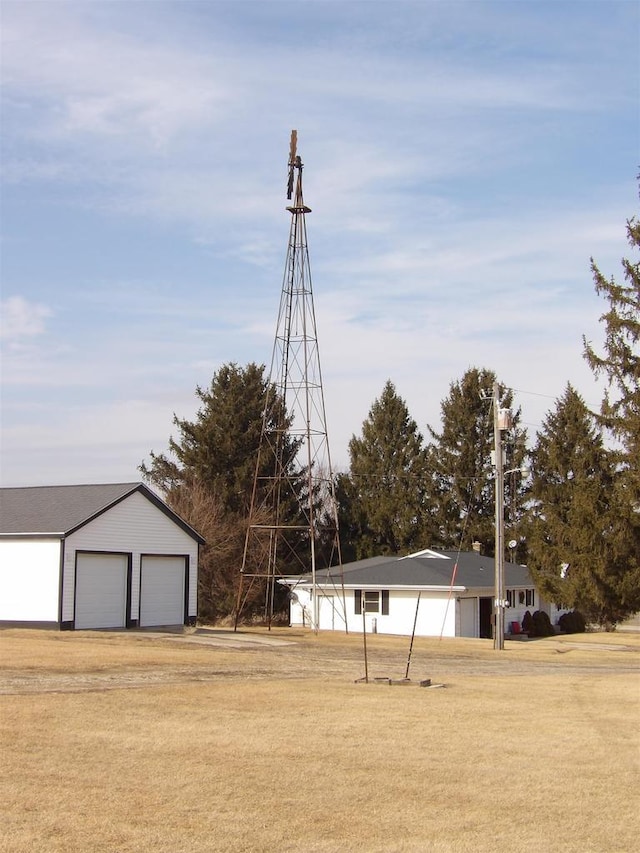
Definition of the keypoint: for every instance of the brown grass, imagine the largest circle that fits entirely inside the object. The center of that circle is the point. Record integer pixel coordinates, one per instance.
(128, 742)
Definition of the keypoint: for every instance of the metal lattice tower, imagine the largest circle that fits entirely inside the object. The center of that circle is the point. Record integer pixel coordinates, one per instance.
(293, 518)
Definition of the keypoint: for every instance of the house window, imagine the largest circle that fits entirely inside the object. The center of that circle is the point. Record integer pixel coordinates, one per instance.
(511, 598)
(525, 597)
(373, 601)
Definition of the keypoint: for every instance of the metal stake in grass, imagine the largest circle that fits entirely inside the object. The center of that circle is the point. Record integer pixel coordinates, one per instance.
(426, 682)
(364, 643)
(413, 633)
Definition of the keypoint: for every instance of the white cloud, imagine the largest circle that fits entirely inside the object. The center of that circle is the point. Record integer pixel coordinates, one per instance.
(22, 319)
(98, 81)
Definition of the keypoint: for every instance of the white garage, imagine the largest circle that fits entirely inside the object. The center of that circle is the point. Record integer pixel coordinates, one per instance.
(95, 556)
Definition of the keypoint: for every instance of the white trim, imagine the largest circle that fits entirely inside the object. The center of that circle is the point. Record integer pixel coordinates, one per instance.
(394, 587)
(428, 553)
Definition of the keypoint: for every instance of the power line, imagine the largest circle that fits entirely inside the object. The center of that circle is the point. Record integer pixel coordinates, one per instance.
(554, 397)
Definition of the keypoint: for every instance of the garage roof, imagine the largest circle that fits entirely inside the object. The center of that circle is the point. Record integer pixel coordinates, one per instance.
(59, 510)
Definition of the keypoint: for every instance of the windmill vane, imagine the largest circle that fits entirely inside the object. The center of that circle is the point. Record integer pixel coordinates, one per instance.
(292, 161)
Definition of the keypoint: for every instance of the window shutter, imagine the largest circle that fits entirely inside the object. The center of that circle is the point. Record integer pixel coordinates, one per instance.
(385, 602)
(357, 598)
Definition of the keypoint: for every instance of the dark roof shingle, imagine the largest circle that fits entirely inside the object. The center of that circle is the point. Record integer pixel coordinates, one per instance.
(473, 571)
(59, 510)
(56, 509)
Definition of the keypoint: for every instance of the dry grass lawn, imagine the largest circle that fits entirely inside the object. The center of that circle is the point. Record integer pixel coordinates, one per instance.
(131, 742)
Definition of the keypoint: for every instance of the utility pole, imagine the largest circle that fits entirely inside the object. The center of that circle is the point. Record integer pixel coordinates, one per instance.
(501, 420)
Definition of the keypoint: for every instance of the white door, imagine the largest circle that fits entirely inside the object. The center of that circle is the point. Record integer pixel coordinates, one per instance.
(101, 591)
(162, 590)
(467, 612)
(327, 613)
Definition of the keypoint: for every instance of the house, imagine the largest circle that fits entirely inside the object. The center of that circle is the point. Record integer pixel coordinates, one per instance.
(95, 556)
(456, 593)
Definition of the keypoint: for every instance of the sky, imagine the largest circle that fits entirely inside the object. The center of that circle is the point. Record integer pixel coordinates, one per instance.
(463, 162)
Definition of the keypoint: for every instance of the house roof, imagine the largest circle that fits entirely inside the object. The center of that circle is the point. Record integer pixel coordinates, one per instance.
(428, 569)
(59, 510)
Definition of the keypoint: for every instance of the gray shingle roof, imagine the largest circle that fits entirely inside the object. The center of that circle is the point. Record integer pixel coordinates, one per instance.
(59, 510)
(473, 571)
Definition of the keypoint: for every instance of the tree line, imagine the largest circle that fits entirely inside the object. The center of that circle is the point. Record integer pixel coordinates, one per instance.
(575, 519)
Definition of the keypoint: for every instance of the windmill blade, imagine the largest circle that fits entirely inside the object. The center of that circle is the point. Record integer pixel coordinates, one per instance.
(292, 161)
(294, 147)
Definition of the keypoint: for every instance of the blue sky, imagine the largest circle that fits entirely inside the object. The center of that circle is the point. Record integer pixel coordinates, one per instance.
(463, 160)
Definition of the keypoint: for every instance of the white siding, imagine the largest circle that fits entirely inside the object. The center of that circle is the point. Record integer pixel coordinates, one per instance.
(299, 613)
(29, 580)
(551, 610)
(134, 526)
(516, 613)
(436, 613)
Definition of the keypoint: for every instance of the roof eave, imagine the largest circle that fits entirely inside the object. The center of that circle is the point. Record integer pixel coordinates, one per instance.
(389, 586)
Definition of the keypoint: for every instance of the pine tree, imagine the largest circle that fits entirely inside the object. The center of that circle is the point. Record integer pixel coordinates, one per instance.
(219, 448)
(620, 363)
(462, 491)
(569, 496)
(619, 414)
(207, 475)
(382, 505)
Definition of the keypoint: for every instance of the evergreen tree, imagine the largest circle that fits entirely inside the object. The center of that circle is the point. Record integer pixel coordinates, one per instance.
(462, 488)
(619, 364)
(207, 475)
(219, 448)
(569, 494)
(382, 505)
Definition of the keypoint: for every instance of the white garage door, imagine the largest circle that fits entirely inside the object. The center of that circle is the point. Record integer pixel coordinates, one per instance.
(101, 591)
(162, 591)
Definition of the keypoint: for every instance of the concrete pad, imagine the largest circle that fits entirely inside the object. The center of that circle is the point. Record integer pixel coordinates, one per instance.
(227, 638)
